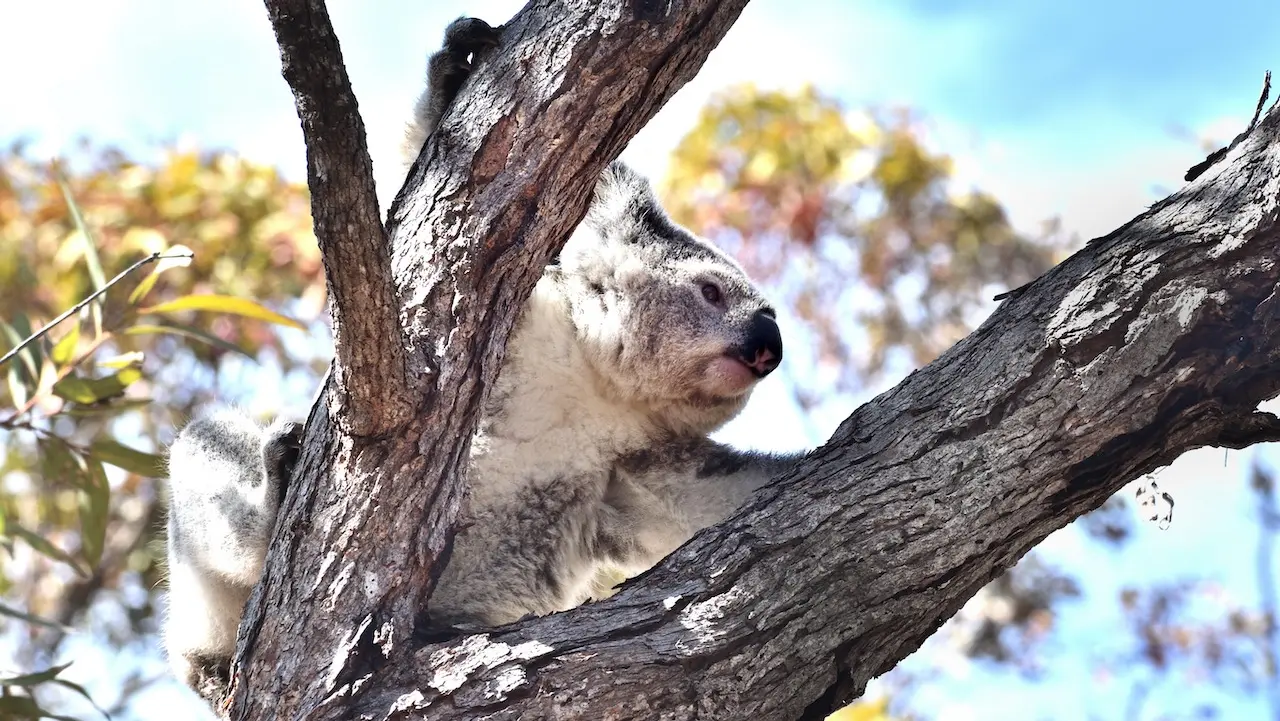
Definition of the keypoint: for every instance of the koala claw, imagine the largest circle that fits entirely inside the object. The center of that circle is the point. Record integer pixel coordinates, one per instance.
(281, 446)
(470, 35)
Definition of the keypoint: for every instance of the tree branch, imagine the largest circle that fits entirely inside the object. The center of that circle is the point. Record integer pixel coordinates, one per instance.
(500, 184)
(372, 392)
(1154, 340)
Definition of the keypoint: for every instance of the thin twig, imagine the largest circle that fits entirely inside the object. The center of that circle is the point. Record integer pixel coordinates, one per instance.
(92, 297)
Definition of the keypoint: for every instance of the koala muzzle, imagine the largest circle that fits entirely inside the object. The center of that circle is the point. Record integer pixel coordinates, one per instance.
(762, 349)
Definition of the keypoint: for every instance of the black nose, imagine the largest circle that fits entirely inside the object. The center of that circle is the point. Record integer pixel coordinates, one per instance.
(762, 350)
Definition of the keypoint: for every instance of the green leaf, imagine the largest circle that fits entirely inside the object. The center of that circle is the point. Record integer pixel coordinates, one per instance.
(64, 350)
(44, 547)
(162, 265)
(130, 459)
(94, 502)
(190, 332)
(27, 354)
(28, 618)
(91, 258)
(81, 690)
(18, 391)
(32, 679)
(19, 707)
(124, 360)
(90, 246)
(59, 463)
(110, 409)
(88, 391)
(223, 304)
(15, 707)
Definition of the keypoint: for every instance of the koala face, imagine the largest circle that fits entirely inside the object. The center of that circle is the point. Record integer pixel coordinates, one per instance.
(671, 323)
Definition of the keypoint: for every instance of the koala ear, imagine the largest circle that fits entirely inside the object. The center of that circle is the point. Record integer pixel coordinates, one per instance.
(622, 196)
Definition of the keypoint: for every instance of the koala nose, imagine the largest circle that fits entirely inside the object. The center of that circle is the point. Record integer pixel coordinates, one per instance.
(762, 351)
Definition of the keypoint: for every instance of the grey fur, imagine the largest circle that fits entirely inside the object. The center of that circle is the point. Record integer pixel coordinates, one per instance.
(592, 455)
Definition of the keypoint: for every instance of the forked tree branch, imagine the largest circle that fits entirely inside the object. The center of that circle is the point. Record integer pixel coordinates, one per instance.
(501, 183)
(1159, 338)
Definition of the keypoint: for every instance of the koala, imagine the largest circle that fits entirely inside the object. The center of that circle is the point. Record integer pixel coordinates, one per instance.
(592, 457)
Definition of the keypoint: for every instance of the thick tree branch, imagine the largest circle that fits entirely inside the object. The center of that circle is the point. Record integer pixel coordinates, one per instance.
(1159, 338)
(1156, 339)
(372, 395)
(369, 518)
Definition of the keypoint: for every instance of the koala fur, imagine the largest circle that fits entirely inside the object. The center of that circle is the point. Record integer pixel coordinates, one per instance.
(592, 453)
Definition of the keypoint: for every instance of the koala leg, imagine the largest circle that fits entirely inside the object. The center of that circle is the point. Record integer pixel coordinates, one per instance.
(227, 477)
(447, 70)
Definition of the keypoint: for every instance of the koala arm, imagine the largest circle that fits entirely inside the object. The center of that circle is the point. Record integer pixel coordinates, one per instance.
(658, 499)
(447, 69)
(227, 477)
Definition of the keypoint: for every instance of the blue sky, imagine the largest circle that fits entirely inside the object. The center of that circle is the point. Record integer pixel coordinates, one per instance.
(1058, 108)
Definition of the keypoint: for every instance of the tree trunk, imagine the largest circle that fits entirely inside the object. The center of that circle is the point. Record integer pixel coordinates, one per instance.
(1156, 339)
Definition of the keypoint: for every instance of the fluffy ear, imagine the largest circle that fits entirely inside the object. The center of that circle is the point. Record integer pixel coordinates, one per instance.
(622, 198)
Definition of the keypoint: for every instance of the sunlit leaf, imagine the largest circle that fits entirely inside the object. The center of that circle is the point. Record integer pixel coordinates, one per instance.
(64, 350)
(90, 251)
(115, 408)
(130, 459)
(94, 390)
(877, 710)
(171, 259)
(223, 304)
(123, 360)
(190, 332)
(90, 247)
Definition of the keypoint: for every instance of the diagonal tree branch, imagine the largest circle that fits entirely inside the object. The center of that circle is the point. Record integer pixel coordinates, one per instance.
(372, 394)
(1154, 340)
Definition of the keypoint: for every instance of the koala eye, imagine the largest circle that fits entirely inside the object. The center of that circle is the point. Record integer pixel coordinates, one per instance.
(711, 292)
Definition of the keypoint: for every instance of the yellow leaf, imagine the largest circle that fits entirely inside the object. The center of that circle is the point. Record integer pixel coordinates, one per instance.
(179, 256)
(65, 349)
(123, 360)
(224, 304)
(863, 711)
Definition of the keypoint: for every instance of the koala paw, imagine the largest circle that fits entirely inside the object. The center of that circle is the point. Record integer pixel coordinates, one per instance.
(470, 35)
(450, 67)
(281, 446)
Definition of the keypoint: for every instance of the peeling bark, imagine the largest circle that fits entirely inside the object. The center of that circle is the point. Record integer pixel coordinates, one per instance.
(1158, 338)
(369, 517)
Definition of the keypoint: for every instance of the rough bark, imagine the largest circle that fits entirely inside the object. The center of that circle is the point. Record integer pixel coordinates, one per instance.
(1154, 340)
(1158, 338)
(371, 393)
(371, 511)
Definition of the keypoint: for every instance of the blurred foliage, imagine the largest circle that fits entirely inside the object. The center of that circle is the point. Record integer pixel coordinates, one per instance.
(854, 223)
(877, 710)
(82, 414)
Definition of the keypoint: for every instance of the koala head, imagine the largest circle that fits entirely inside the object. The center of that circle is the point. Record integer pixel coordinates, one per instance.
(671, 324)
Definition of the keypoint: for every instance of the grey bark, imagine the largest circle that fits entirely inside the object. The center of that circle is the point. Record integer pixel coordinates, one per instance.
(1156, 339)
(370, 514)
